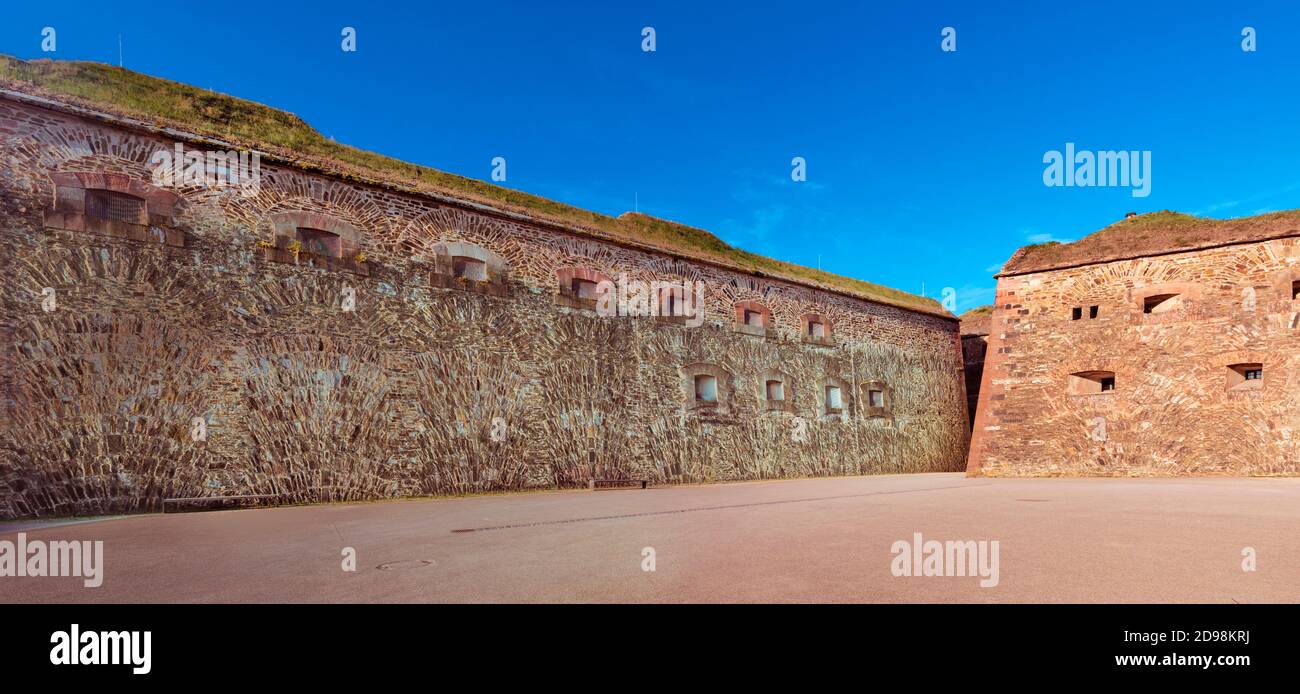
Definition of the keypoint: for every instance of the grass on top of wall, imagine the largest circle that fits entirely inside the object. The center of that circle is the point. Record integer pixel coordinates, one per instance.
(245, 123)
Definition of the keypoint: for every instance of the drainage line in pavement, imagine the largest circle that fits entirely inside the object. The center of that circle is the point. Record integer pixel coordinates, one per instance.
(711, 508)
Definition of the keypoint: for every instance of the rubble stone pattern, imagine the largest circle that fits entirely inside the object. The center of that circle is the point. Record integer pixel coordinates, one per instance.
(432, 385)
(1177, 333)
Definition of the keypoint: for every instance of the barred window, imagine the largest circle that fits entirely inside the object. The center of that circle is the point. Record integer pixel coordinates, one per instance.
(114, 206)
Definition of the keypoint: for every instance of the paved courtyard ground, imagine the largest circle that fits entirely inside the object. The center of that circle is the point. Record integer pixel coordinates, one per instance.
(821, 540)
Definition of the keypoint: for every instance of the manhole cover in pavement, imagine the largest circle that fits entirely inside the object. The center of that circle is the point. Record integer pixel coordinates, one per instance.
(404, 564)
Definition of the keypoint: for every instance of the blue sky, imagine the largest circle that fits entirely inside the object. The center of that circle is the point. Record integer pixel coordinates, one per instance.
(924, 167)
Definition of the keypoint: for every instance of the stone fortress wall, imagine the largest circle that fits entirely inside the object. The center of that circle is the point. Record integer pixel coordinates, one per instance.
(468, 359)
(1200, 347)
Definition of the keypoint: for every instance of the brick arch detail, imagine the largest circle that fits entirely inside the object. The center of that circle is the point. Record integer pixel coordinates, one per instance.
(818, 317)
(286, 225)
(157, 200)
(749, 305)
(446, 250)
(822, 318)
(566, 275)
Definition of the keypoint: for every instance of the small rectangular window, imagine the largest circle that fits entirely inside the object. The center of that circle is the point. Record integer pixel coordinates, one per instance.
(832, 398)
(1295, 290)
(469, 268)
(876, 398)
(753, 318)
(669, 304)
(816, 329)
(317, 242)
(1090, 382)
(1076, 313)
(1245, 376)
(775, 390)
(1092, 311)
(706, 388)
(1161, 303)
(584, 289)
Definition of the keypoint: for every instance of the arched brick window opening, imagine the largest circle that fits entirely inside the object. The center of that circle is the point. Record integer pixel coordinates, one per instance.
(470, 268)
(320, 242)
(706, 388)
(676, 300)
(670, 302)
(462, 265)
(1091, 382)
(585, 289)
(315, 239)
(580, 287)
(1248, 376)
(752, 318)
(316, 234)
(816, 329)
(113, 204)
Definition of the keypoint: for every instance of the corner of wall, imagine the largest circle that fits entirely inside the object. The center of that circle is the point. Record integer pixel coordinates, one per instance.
(1000, 341)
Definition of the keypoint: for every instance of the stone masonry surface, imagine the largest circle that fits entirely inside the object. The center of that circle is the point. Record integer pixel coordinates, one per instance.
(1200, 349)
(199, 304)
